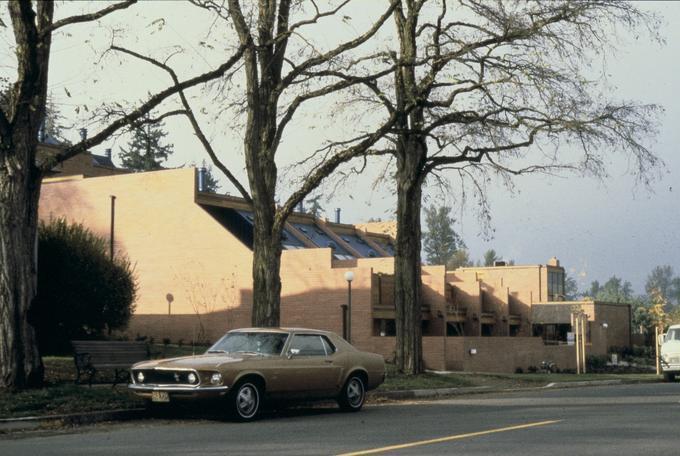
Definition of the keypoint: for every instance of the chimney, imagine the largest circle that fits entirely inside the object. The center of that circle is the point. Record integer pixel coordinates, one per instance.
(83, 134)
(554, 262)
(337, 215)
(201, 179)
(107, 153)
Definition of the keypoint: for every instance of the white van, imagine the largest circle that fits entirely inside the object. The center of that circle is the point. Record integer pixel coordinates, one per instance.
(670, 353)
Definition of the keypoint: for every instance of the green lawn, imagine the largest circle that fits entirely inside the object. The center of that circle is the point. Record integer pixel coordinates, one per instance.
(395, 381)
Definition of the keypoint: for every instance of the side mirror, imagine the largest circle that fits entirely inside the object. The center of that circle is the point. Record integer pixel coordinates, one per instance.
(292, 352)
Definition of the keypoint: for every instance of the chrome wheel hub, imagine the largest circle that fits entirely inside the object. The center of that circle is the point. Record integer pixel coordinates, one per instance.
(247, 400)
(355, 392)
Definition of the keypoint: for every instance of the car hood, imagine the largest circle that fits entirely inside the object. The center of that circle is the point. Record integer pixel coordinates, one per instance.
(198, 362)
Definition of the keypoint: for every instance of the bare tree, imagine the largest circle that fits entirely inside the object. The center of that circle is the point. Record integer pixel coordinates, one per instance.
(21, 171)
(280, 76)
(499, 89)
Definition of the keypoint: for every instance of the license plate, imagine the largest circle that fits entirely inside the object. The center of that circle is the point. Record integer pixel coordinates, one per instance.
(160, 396)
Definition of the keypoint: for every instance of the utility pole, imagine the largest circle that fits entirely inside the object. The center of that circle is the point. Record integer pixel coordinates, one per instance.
(575, 330)
(584, 325)
(579, 322)
(657, 337)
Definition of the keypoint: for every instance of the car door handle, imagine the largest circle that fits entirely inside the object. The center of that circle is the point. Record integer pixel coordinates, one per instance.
(329, 361)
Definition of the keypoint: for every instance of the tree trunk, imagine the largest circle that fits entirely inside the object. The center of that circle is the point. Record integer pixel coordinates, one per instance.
(20, 362)
(266, 267)
(407, 264)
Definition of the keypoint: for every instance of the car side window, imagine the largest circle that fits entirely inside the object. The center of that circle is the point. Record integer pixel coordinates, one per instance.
(327, 345)
(308, 345)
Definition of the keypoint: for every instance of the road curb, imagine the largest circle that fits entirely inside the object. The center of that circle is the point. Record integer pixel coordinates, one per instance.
(447, 392)
(74, 419)
(585, 383)
(428, 393)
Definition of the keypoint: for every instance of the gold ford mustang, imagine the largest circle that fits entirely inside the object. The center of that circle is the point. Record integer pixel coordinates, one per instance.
(247, 365)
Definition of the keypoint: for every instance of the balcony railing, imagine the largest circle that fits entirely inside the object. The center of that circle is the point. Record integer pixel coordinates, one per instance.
(387, 311)
(455, 313)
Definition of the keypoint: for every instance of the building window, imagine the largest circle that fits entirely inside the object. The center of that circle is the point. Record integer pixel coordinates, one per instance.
(514, 330)
(552, 334)
(425, 328)
(384, 327)
(455, 329)
(487, 330)
(555, 285)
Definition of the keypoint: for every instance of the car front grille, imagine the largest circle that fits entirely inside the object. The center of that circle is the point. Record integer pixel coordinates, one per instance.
(674, 360)
(164, 377)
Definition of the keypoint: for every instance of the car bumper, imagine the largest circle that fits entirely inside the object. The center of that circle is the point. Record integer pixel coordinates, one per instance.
(179, 392)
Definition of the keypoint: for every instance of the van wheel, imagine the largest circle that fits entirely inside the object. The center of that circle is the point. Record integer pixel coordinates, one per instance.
(353, 394)
(668, 377)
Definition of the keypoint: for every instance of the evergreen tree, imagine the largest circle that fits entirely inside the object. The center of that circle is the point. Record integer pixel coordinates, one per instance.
(82, 291)
(571, 289)
(146, 150)
(315, 207)
(613, 290)
(212, 185)
(490, 257)
(440, 241)
(54, 122)
(662, 279)
(460, 259)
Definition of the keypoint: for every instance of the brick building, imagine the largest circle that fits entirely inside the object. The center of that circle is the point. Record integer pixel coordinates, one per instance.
(192, 253)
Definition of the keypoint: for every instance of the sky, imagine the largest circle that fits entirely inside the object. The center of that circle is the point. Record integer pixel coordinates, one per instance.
(597, 228)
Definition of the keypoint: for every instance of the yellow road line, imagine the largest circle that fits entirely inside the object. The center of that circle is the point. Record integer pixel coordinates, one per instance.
(449, 438)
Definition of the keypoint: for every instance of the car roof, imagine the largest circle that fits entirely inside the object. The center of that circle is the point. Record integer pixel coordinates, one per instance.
(674, 326)
(281, 330)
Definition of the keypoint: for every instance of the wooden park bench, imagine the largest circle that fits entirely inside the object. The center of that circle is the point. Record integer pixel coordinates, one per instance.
(93, 355)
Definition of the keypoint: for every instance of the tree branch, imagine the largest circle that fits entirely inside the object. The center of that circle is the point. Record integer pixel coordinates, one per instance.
(328, 166)
(192, 119)
(347, 81)
(303, 67)
(141, 111)
(85, 17)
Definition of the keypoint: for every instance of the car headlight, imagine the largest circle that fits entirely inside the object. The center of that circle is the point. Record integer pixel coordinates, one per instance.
(140, 377)
(192, 377)
(216, 378)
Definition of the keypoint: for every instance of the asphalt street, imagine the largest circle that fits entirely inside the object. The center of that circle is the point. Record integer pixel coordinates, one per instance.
(613, 420)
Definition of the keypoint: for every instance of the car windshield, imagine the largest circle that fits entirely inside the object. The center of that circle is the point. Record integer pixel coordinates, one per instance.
(260, 343)
(673, 334)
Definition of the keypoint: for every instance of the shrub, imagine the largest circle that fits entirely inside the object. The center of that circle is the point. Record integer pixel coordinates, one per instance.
(82, 293)
(596, 363)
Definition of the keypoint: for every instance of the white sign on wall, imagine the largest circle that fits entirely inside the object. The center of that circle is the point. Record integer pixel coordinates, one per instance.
(570, 338)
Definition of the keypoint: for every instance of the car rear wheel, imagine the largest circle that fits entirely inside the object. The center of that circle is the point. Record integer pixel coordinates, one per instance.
(353, 394)
(245, 401)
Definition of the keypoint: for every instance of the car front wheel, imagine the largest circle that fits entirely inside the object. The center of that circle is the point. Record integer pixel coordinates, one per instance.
(245, 401)
(353, 394)
(668, 377)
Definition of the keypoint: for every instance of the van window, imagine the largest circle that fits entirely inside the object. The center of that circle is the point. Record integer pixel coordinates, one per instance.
(673, 334)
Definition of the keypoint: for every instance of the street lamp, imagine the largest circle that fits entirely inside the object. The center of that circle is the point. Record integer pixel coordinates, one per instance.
(349, 276)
